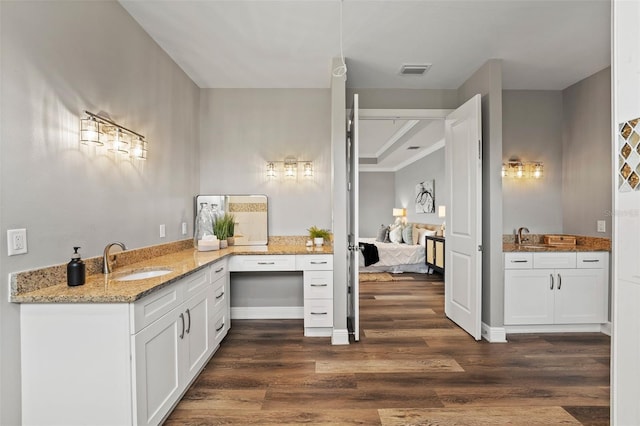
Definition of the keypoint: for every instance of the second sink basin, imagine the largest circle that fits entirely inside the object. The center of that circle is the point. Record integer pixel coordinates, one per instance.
(143, 275)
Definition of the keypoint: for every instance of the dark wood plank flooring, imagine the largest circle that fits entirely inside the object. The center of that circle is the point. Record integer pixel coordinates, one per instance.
(412, 367)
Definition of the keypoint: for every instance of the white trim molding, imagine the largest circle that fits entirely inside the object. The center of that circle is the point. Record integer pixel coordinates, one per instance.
(565, 328)
(494, 334)
(267, 312)
(340, 337)
(606, 328)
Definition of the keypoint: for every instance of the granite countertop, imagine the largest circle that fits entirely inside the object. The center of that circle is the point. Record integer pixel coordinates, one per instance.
(542, 248)
(101, 288)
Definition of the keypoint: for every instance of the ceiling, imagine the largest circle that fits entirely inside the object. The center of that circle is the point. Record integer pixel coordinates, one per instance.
(543, 45)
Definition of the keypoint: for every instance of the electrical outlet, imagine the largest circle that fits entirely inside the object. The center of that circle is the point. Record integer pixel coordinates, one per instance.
(184, 228)
(163, 231)
(602, 226)
(16, 241)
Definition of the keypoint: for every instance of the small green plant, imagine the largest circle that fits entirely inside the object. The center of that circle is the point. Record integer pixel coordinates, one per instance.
(315, 232)
(224, 226)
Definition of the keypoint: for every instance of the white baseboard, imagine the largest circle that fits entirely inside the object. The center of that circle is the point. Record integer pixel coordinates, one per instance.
(340, 337)
(568, 328)
(606, 328)
(494, 334)
(267, 312)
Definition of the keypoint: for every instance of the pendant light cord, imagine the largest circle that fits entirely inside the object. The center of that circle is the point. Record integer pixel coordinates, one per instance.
(340, 70)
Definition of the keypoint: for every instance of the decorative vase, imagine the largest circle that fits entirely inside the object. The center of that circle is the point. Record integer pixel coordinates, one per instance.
(223, 244)
(318, 241)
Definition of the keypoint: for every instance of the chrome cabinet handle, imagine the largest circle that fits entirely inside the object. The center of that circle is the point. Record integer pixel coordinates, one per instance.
(319, 285)
(219, 270)
(266, 263)
(551, 276)
(519, 261)
(182, 318)
(189, 317)
(220, 328)
(220, 296)
(318, 313)
(319, 263)
(559, 281)
(591, 260)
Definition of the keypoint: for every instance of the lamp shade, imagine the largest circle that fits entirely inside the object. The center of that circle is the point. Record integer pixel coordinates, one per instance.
(399, 212)
(442, 211)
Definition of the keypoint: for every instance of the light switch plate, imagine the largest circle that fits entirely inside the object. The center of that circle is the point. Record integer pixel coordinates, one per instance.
(16, 241)
(163, 232)
(602, 226)
(184, 228)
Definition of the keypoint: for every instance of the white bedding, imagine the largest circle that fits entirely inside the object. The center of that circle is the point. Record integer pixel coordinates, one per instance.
(396, 258)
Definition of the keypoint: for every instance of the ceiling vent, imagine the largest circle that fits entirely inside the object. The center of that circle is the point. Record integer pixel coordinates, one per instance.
(413, 147)
(414, 69)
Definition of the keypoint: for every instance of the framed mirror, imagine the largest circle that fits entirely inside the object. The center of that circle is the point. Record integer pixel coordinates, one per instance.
(249, 211)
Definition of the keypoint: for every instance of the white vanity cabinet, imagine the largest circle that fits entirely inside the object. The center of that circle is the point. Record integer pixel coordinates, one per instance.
(554, 288)
(318, 293)
(120, 363)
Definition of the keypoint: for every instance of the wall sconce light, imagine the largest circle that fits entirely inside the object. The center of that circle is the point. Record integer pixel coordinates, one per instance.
(100, 130)
(289, 168)
(514, 168)
(400, 215)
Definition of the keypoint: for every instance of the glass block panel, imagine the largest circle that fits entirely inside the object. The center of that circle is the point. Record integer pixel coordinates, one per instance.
(626, 150)
(634, 122)
(620, 161)
(626, 131)
(634, 139)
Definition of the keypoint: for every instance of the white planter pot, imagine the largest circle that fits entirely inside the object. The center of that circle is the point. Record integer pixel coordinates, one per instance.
(318, 241)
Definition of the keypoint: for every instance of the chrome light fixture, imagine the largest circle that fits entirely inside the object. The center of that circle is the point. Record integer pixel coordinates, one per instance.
(100, 130)
(289, 168)
(514, 168)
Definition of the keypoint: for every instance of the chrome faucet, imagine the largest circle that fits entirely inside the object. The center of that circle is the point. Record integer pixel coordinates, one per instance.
(107, 264)
(519, 234)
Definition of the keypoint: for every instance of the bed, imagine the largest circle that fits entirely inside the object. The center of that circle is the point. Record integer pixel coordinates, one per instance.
(398, 257)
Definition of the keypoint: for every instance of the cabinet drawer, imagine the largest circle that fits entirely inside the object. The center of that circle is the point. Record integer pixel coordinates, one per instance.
(218, 270)
(318, 312)
(220, 328)
(220, 296)
(554, 260)
(518, 260)
(318, 284)
(593, 260)
(195, 282)
(317, 262)
(263, 263)
(152, 307)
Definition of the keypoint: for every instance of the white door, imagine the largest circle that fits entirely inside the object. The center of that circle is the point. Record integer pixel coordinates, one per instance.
(353, 284)
(463, 257)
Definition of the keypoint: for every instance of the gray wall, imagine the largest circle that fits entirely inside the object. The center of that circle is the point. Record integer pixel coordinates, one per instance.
(59, 58)
(242, 129)
(430, 167)
(487, 81)
(405, 98)
(532, 131)
(377, 200)
(586, 148)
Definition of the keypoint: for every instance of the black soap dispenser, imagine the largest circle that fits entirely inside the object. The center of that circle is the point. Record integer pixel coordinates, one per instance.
(75, 269)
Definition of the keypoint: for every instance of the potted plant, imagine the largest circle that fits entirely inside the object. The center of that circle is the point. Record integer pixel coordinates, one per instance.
(231, 225)
(221, 229)
(318, 235)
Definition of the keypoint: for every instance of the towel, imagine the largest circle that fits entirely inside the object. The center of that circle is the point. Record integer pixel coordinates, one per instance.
(370, 253)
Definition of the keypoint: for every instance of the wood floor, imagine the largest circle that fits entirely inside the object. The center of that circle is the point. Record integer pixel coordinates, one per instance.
(412, 367)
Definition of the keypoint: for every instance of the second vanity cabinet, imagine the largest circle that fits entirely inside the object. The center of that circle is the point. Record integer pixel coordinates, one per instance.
(556, 288)
(121, 363)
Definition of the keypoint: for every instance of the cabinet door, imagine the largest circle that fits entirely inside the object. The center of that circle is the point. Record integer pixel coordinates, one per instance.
(431, 256)
(197, 332)
(439, 262)
(158, 350)
(581, 296)
(528, 296)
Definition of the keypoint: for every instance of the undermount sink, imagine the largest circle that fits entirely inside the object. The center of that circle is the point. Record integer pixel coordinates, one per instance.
(143, 275)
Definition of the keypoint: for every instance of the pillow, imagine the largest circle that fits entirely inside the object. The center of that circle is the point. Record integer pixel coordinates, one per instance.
(407, 234)
(423, 233)
(415, 234)
(383, 234)
(395, 234)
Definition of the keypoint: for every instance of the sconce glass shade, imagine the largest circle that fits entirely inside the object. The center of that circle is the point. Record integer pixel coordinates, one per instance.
(91, 131)
(290, 168)
(138, 148)
(504, 170)
(536, 170)
(308, 169)
(119, 141)
(271, 170)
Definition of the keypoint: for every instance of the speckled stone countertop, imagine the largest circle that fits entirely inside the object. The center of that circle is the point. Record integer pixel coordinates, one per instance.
(100, 288)
(534, 243)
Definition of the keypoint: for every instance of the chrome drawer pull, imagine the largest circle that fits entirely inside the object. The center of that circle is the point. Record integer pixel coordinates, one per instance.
(318, 313)
(551, 276)
(519, 261)
(189, 317)
(219, 270)
(591, 260)
(182, 318)
(220, 296)
(559, 281)
(319, 285)
(266, 263)
(318, 263)
(221, 327)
